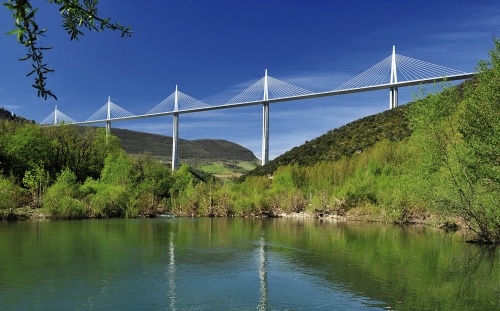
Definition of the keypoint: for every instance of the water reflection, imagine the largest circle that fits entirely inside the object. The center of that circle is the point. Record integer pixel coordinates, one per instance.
(214, 264)
(479, 260)
(262, 275)
(171, 273)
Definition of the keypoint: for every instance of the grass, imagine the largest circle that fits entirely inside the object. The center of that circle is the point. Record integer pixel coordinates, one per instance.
(228, 169)
(215, 168)
(247, 166)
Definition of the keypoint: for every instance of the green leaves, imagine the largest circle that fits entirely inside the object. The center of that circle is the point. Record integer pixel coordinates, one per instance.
(16, 32)
(458, 134)
(76, 14)
(10, 195)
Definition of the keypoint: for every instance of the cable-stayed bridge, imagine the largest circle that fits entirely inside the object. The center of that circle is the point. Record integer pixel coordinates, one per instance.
(390, 73)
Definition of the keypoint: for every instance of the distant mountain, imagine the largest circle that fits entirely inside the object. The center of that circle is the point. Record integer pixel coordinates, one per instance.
(193, 152)
(344, 141)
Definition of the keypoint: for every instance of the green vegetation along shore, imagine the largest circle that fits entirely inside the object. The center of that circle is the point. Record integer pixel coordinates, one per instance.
(435, 161)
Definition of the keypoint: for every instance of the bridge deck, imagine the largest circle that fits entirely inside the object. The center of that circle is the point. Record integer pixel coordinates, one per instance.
(291, 98)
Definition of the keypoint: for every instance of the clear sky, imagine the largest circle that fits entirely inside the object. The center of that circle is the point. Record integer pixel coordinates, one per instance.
(214, 49)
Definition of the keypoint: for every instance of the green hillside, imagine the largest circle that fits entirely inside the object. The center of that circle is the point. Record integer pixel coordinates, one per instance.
(229, 158)
(349, 139)
(7, 115)
(190, 151)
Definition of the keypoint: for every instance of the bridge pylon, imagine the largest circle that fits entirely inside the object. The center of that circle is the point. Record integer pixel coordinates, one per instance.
(393, 94)
(108, 118)
(175, 134)
(265, 122)
(55, 116)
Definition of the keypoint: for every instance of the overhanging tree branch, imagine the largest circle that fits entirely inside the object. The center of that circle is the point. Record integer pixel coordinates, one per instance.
(76, 14)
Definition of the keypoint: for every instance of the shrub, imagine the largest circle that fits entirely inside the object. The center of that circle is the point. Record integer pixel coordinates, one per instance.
(62, 198)
(11, 196)
(109, 200)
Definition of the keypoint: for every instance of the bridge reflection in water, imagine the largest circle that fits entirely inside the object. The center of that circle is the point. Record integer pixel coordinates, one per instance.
(262, 270)
(263, 275)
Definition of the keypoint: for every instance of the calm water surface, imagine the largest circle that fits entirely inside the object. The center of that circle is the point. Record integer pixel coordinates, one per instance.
(241, 264)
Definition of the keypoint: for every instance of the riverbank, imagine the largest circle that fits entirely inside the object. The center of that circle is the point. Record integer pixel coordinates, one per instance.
(360, 214)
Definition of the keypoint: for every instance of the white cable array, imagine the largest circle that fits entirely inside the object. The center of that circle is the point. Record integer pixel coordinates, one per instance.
(61, 117)
(115, 110)
(276, 87)
(119, 112)
(49, 119)
(165, 105)
(414, 69)
(100, 114)
(281, 89)
(410, 69)
(374, 75)
(187, 102)
(254, 92)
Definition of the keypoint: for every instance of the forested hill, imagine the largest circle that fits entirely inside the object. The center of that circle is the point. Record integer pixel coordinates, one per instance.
(344, 141)
(190, 151)
(7, 115)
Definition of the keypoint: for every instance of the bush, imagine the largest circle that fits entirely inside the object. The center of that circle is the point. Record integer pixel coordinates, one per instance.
(11, 196)
(62, 198)
(109, 201)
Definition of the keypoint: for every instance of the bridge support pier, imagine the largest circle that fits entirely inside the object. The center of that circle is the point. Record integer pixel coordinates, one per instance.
(175, 134)
(175, 144)
(108, 128)
(393, 101)
(265, 123)
(265, 133)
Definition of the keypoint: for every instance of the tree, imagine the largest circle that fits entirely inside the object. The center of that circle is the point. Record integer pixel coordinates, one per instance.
(479, 168)
(76, 14)
(83, 150)
(36, 180)
(24, 149)
(459, 139)
(10, 195)
(153, 181)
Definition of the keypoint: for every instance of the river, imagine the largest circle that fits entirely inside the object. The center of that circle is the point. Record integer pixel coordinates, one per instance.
(241, 264)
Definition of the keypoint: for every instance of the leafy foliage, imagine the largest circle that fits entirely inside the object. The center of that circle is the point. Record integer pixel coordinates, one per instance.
(461, 149)
(60, 198)
(36, 180)
(24, 147)
(11, 195)
(81, 150)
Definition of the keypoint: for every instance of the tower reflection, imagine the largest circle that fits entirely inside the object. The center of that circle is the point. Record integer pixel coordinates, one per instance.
(263, 275)
(172, 294)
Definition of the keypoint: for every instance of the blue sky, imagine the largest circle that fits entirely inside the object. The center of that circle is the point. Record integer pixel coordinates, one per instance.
(214, 49)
